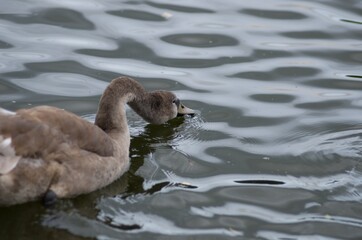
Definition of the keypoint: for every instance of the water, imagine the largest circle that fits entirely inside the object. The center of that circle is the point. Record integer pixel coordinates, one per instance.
(274, 152)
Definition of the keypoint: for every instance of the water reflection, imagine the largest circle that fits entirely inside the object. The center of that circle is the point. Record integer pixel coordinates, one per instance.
(274, 14)
(5, 45)
(139, 15)
(181, 8)
(116, 210)
(200, 40)
(62, 85)
(275, 151)
(61, 17)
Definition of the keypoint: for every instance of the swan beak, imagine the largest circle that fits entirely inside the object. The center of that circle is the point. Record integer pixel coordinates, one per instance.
(183, 110)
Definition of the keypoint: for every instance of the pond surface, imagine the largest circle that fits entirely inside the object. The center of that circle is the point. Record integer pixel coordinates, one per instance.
(274, 151)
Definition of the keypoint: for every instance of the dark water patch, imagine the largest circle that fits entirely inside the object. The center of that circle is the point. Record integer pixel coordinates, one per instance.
(12, 97)
(325, 105)
(351, 21)
(354, 76)
(200, 40)
(28, 216)
(295, 72)
(209, 135)
(179, 8)
(184, 185)
(5, 45)
(60, 17)
(307, 35)
(124, 227)
(57, 66)
(259, 54)
(335, 84)
(19, 74)
(280, 73)
(275, 196)
(256, 121)
(157, 187)
(255, 75)
(287, 160)
(273, 98)
(324, 35)
(260, 182)
(199, 63)
(7, 88)
(76, 224)
(273, 14)
(343, 57)
(137, 15)
(228, 114)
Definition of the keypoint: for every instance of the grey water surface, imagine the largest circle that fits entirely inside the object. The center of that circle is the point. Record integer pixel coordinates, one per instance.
(274, 152)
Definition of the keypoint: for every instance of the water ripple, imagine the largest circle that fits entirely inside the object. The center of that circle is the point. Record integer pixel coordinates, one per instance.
(136, 14)
(273, 14)
(61, 17)
(237, 209)
(274, 150)
(200, 40)
(62, 85)
(180, 8)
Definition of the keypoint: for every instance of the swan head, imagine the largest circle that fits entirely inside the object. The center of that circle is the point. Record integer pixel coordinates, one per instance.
(160, 106)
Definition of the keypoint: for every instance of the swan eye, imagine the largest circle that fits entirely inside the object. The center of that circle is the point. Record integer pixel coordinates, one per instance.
(176, 101)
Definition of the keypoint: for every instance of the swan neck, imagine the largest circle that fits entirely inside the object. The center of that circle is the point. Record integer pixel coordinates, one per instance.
(111, 115)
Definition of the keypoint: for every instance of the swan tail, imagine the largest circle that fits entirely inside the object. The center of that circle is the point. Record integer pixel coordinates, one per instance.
(8, 159)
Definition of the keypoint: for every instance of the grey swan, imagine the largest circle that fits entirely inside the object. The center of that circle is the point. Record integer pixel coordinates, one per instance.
(48, 153)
